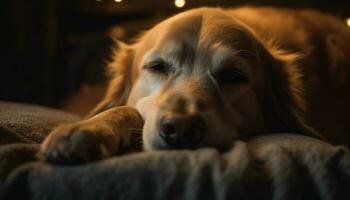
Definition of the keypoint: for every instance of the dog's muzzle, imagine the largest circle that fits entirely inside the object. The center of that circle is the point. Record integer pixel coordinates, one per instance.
(182, 131)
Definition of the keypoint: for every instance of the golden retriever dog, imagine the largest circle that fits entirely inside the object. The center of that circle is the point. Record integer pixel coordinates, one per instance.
(209, 76)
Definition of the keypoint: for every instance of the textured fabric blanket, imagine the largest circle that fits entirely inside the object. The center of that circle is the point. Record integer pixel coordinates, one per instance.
(22, 128)
(283, 166)
(28, 123)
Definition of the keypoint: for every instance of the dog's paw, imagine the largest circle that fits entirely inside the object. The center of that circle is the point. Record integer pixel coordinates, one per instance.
(72, 144)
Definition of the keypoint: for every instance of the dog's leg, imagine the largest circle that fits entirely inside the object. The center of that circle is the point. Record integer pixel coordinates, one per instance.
(112, 132)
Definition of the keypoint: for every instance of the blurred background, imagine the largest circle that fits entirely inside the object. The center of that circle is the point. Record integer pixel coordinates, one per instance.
(53, 52)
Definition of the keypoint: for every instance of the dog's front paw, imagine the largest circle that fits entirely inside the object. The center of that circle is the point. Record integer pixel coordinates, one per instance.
(77, 144)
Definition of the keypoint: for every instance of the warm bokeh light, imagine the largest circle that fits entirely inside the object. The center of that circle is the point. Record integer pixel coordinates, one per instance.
(118, 1)
(348, 21)
(180, 3)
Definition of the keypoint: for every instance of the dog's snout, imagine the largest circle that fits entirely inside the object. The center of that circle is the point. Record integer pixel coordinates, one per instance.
(182, 131)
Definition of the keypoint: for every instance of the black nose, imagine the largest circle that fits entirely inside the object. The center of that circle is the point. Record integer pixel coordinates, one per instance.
(182, 132)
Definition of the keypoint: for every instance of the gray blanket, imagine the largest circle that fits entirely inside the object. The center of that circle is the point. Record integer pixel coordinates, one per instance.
(22, 128)
(283, 166)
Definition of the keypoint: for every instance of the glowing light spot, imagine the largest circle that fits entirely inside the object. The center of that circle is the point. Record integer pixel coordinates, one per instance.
(118, 1)
(348, 21)
(98, 0)
(180, 3)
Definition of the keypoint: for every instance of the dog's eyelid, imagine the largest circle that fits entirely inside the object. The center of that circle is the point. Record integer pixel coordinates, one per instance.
(158, 67)
(232, 63)
(240, 64)
(154, 62)
(231, 75)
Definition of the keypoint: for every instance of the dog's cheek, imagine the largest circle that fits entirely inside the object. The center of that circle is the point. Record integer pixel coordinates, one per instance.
(149, 134)
(144, 106)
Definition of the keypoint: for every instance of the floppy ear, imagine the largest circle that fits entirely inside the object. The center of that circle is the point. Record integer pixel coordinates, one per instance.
(283, 100)
(120, 72)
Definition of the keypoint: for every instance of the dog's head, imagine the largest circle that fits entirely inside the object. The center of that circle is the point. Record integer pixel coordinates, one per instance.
(203, 78)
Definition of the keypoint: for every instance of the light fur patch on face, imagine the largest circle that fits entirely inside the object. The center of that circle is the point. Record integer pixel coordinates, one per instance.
(221, 53)
(168, 52)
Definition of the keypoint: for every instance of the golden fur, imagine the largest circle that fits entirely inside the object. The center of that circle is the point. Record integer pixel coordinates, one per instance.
(295, 66)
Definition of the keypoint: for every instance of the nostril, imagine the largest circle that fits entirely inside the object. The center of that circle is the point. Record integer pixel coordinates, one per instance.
(168, 128)
(169, 131)
(182, 131)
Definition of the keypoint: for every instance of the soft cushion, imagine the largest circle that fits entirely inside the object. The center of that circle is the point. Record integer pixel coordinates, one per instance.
(22, 128)
(28, 123)
(272, 167)
(280, 166)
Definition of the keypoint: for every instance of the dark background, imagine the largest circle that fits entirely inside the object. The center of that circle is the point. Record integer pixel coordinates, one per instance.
(51, 48)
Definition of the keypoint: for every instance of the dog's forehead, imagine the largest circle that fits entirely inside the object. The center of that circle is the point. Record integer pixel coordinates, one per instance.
(199, 27)
(200, 31)
(197, 39)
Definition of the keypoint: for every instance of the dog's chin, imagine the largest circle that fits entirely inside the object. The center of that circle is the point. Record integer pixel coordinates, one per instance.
(156, 144)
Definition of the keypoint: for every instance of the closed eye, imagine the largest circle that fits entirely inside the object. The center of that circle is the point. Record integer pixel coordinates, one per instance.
(158, 67)
(231, 76)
